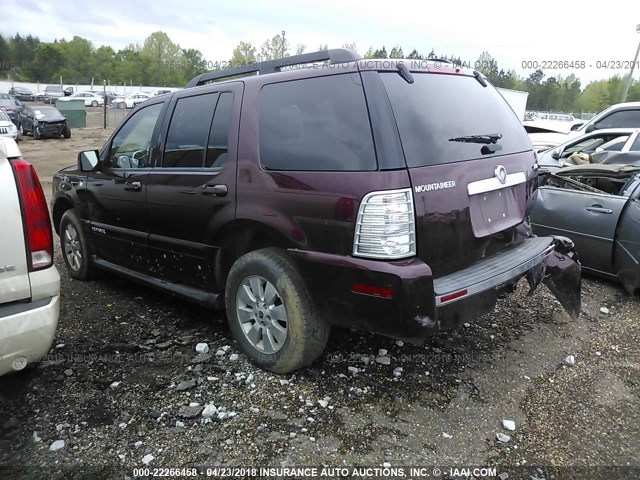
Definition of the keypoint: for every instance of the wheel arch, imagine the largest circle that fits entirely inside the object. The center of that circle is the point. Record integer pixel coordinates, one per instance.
(240, 237)
(60, 206)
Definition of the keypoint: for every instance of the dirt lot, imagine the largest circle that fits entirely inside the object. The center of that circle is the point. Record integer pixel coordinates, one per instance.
(124, 383)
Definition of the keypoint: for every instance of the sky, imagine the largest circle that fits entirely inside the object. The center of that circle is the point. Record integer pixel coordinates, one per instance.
(516, 34)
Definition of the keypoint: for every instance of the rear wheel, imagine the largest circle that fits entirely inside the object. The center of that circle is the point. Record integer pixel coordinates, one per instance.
(76, 250)
(271, 314)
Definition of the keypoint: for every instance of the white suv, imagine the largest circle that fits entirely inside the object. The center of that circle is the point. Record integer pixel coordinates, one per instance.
(29, 282)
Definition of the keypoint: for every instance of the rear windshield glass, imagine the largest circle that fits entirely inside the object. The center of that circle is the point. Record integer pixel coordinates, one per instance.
(436, 108)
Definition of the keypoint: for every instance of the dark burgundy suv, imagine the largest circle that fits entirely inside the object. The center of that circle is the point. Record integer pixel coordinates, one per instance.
(383, 195)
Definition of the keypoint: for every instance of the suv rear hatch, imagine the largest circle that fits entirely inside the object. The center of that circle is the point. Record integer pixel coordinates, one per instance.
(470, 162)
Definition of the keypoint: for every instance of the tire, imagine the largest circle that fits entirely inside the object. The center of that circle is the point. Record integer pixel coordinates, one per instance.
(66, 132)
(94, 103)
(122, 105)
(36, 133)
(22, 130)
(76, 250)
(300, 334)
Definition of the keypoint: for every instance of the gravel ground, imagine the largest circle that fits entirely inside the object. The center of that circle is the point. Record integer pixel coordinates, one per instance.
(124, 386)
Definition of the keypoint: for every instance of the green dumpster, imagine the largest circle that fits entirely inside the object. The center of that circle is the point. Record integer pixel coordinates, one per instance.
(74, 112)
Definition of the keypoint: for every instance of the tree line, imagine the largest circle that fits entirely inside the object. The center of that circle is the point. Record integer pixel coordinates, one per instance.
(161, 62)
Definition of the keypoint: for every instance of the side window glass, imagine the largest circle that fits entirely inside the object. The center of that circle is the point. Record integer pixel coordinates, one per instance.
(636, 144)
(316, 124)
(217, 148)
(621, 119)
(188, 131)
(131, 146)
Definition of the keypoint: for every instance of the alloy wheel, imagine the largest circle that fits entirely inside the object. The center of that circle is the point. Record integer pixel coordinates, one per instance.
(72, 247)
(261, 314)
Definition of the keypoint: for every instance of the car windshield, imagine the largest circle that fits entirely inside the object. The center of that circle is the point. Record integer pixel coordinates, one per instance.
(53, 89)
(4, 117)
(46, 113)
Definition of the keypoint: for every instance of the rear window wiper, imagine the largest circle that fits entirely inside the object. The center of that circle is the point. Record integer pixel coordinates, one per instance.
(486, 139)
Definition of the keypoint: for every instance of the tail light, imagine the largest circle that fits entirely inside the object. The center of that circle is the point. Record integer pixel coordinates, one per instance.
(385, 227)
(35, 216)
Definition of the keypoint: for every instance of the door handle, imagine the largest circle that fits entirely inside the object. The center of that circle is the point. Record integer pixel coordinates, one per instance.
(214, 190)
(133, 186)
(599, 209)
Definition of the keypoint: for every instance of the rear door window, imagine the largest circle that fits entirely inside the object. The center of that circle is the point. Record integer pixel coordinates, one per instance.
(437, 108)
(218, 146)
(188, 131)
(316, 124)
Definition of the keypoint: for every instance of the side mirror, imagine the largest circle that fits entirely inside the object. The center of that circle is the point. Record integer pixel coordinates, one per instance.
(88, 160)
(556, 153)
(590, 128)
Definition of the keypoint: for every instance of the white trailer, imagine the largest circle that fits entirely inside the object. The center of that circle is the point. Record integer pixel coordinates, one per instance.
(517, 99)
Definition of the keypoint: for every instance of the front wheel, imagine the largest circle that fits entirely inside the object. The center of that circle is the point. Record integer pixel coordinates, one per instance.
(66, 131)
(122, 105)
(36, 133)
(76, 250)
(94, 103)
(271, 314)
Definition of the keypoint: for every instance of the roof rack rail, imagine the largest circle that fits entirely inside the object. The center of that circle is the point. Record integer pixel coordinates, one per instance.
(435, 59)
(336, 55)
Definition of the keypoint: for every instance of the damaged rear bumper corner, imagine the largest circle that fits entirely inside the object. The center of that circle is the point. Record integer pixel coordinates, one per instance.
(562, 275)
(473, 291)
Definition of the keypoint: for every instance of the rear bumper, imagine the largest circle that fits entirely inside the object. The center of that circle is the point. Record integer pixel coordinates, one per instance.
(492, 272)
(27, 331)
(406, 302)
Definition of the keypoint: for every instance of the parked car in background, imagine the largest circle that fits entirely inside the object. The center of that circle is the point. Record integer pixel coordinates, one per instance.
(130, 101)
(161, 91)
(43, 121)
(608, 139)
(12, 107)
(311, 197)
(29, 282)
(559, 117)
(108, 95)
(598, 207)
(53, 93)
(621, 115)
(21, 93)
(7, 127)
(90, 99)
